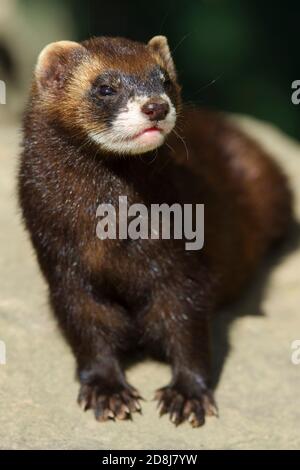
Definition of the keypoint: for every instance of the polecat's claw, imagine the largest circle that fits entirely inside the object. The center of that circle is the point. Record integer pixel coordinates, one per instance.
(109, 406)
(182, 408)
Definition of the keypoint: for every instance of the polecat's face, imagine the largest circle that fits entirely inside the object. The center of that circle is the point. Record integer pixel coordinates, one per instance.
(137, 109)
(117, 93)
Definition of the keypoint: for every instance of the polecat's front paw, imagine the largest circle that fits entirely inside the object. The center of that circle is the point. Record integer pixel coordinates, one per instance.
(107, 403)
(184, 407)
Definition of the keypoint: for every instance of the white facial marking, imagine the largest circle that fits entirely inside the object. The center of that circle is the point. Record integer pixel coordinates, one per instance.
(128, 133)
(161, 75)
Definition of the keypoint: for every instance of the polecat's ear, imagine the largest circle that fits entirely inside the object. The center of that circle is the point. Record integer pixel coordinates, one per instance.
(53, 63)
(160, 46)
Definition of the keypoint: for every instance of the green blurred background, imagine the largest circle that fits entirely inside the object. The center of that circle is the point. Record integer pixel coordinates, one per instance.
(237, 55)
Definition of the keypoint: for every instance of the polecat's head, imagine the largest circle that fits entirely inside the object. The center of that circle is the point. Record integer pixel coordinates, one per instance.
(120, 94)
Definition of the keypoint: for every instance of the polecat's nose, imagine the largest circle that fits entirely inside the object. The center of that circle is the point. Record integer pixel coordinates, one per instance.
(156, 110)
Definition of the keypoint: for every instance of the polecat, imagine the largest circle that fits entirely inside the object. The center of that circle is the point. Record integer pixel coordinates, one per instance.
(105, 120)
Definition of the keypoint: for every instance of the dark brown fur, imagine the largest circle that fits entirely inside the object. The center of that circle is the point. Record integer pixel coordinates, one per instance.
(111, 296)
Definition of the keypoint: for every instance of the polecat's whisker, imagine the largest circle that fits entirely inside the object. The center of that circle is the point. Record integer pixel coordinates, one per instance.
(184, 143)
(170, 147)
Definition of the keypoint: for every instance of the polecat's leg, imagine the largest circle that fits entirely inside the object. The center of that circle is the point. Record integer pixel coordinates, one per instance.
(186, 340)
(188, 396)
(97, 331)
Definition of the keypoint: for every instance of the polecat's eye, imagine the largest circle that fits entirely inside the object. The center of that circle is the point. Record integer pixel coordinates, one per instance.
(106, 90)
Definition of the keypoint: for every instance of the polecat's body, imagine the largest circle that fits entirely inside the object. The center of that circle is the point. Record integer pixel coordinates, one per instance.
(89, 104)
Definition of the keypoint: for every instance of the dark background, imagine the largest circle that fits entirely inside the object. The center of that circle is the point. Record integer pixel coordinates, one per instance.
(236, 55)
